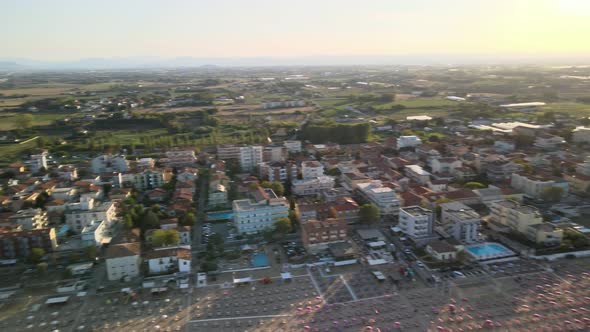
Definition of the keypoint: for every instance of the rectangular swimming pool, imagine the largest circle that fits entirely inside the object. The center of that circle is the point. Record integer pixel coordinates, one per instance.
(489, 250)
(220, 215)
(259, 259)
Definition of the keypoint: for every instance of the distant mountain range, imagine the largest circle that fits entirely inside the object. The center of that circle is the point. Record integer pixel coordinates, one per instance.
(10, 64)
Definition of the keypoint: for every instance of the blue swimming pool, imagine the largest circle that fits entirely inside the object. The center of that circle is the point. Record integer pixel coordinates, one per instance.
(259, 259)
(488, 250)
(219, 215)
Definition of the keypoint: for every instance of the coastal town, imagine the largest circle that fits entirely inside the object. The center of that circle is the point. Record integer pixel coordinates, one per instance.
(470, 211)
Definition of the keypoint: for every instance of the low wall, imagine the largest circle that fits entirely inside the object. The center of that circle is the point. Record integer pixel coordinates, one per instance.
(577, 254)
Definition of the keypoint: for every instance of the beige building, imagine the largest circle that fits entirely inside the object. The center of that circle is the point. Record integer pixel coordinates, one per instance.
(123, 260)
(545, 234)
(514, 215)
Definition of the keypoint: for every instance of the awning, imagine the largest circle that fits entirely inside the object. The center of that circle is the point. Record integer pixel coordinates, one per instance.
(376, 261)
(376, 244)
(57, 300)
(242, 280)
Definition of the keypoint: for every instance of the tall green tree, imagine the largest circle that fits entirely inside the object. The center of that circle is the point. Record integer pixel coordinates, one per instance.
(552, 194)
(369, 214)
(278, 188)
(283, 225)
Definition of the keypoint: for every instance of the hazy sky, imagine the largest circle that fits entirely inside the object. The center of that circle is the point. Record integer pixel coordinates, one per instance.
(73, 29)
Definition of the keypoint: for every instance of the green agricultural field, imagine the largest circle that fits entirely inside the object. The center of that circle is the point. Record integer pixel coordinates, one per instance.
(419, 103)
(572, 108)
(8, 119)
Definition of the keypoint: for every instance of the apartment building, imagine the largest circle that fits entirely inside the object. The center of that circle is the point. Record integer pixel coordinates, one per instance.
(259, 212)
(38, 162)
(311, 169)
(514, 215)
(29, 219)
(416, 222)
(274, 153)
(318, 234)
(501, 170)
(292, 146)
(381, 196)
(180, 158)
(82, 216)
(460, 221)
(250, 157)
(277, 171)
(445, 165)
(123, 260)
(534, 185)
(417, 173)
(407, 142)
(19, 243)
(108, 164)
(312, 186)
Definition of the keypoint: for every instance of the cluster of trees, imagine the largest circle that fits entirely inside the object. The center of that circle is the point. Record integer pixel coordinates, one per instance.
(368, 214)
(552, 194)
(276, 186)
(49, 104)
(169, 237)
(337, 133)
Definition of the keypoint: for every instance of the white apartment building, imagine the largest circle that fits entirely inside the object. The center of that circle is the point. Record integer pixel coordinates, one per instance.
(150, 179)
(123, 260)
(534, 185)
(39, 161)
(180, 158)
(108, 164)
(257, 214)
(408, 142)
(416, 222)
(311, 169)
(81, 216)
(166, 260)
(417, 173)
(581, 135)
(250, 157)
(445, 165)
(94, 234)
(29, 219)
(381, 196)
(277, 171)
(312, 186)
(460, 221)
(292, 146)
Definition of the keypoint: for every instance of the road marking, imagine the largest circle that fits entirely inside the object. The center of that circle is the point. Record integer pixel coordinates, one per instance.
(235, 318)
(349, 288)
(317, 288)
